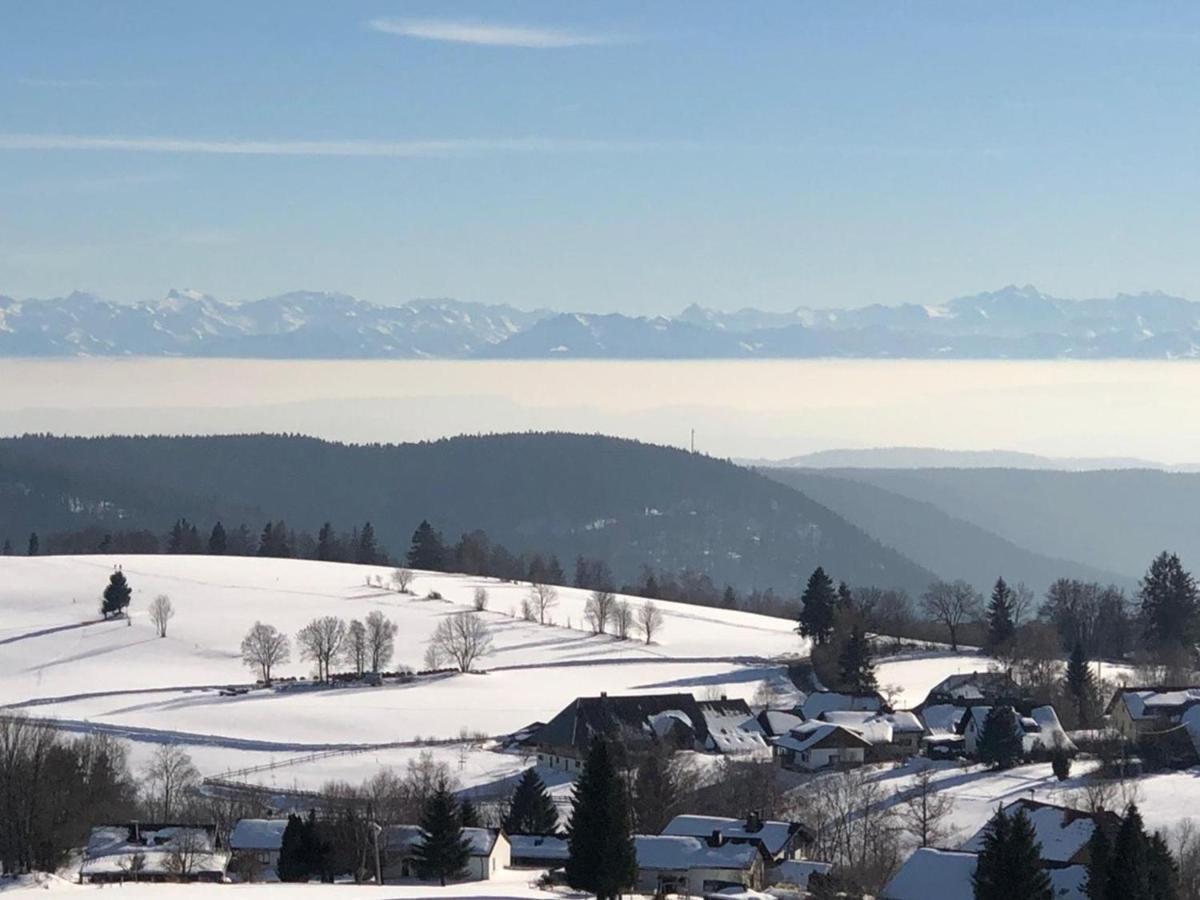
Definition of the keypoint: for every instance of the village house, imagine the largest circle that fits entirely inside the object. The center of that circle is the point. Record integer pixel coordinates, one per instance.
(1040, 731)
(819, 702)
(1136, 711)
(642, 721)
(777, 722)
(697, 866)
(1064, 835)
(976, 689)
(152, 852)
(778, 840)
(895, 735)
(538, 851)
(490, 852)
(254, 847)
(819, 745)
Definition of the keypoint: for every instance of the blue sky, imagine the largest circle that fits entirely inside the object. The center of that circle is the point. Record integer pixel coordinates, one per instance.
(605, 156)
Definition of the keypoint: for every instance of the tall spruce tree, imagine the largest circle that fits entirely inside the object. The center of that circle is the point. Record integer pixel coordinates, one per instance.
(468, 815)
(1000, 616)
(366, 553)
(327, 543)
(1081, 683)
(117, 594)
(428, 550)
(1009, 865)
(817, 607)
(855, 664)
(1099, 850)
(1129, 860)
(531, 811)
(1000, 745)
(442, 852)
(1168, 598)
(602, 858)
(218, 543)
(293, 864)
(8, 548)
(655, 791)
(34, 544)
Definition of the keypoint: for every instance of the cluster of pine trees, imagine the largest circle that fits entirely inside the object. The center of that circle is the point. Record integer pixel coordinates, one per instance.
(842, 655)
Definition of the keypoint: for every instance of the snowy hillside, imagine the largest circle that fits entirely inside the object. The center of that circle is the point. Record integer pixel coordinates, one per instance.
(61, 663)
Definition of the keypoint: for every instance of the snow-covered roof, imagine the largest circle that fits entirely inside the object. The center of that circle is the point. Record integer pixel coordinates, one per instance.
(733, 732)
(824, 701)
(797, 871)
(257, 834)
(1069, 882)
(154, 861)
(943, 718)
(870, 726)
(536, 846)
(111, 849)
(811, 734)
(1062, 832)
(1146, 703)
(404, 839)
(778, 721)
(929, 873)
(1050, 731)
(660, 851)
(774, 835)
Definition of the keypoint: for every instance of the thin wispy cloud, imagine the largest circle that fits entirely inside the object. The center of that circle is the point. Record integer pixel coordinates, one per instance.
(490, 34)
(343, 148)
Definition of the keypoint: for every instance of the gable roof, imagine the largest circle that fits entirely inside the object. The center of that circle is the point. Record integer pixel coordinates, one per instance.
(773, 835)
(820, 736)
(548, 848)
(1159, 700)
(943, 718)
(724, 725)
(825, 701)
(660, 851)
(257, 834)
(403, 839)
(774, 722)
(929, 873)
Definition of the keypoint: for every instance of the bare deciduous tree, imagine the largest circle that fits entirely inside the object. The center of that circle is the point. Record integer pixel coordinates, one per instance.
(952, 604)
(925, 809)
(402, 578)
(320, 642)
(461, 639)
(168, 777)
(543, 598)
(599, 609)
(481, 599)
(1022, 602)
(161, 612)
(649, 619)
(354, 650)
(381, 640)
(264, 647)
(186, 850)
(622, 616)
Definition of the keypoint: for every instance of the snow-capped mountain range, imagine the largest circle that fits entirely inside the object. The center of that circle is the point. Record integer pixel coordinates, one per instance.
(1014, 322)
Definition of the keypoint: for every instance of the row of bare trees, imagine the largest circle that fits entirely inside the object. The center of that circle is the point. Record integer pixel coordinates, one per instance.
(365, 646)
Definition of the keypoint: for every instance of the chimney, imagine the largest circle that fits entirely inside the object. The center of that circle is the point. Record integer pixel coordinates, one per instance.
(604, 693)
(753, 821)
(724, 697)
(714, 839)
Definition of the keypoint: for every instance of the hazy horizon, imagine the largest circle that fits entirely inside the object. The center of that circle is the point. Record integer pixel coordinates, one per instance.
(739, 409)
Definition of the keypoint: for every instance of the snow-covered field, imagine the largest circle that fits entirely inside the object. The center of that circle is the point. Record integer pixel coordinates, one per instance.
(58, 662)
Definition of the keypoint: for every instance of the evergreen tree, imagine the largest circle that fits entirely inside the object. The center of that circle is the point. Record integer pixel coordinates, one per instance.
(855, 664)
(326, 543)
(817, 607)
(365, 552)
(1163, 882)
(1081, 682)
(468, 815)
(8, 550)
(1129, 860)
(845, 599)
(554, 572)
(428, 551)
(1009, 865)
(443, 851)
(266, 541)
(1000, 616)
(1099, 850)
(655, 792)
(116, 595)
(1168, 600)
(314, 849)
(33, 544)
(1060, 762)
(601, 857)
(217, 541)
(999, 744)
(531, 811)
(292, 865)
